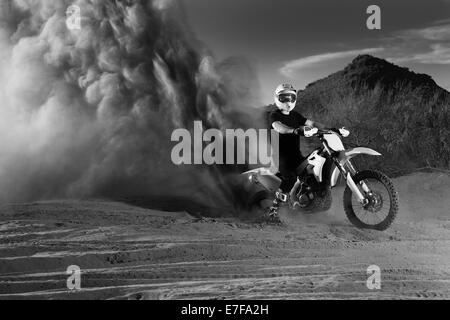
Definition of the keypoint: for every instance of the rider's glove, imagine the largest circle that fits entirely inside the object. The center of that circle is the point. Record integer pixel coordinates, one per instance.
(310, 132)
(344, 132)
(298, 131)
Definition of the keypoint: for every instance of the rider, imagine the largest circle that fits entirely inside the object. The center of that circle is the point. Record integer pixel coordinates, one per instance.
(290, 126)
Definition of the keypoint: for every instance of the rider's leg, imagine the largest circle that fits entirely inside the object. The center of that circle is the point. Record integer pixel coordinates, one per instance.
(288, 170)
(289, 177)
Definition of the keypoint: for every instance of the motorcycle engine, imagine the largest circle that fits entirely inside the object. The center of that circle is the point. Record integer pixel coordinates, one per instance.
(304, 196)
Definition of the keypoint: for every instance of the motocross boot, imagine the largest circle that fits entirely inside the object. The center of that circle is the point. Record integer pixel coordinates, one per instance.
(272, 216)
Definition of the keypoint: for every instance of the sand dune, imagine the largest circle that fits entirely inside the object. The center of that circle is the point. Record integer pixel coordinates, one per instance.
(128, 252)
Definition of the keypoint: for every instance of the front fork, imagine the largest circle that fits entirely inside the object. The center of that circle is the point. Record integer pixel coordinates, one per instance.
(349, 171)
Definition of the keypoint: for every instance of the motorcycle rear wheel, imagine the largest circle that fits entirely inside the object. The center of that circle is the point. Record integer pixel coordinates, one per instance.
(259, 204)
(321, 203)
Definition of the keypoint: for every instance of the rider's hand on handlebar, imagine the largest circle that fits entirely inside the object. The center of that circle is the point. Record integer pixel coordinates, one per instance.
(310, 132)
(298, 131)
(344, 132)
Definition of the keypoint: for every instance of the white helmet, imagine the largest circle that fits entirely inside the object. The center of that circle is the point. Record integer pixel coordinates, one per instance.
(285, 97)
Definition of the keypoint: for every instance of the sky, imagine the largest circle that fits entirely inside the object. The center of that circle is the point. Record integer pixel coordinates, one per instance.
(301, 41)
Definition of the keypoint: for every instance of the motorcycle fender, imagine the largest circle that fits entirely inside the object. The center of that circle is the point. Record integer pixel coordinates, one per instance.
(358, 151)
(346, 156)
(264, 177)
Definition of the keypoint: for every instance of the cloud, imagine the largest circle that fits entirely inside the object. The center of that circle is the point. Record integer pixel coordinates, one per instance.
(434, 33)
(291, 67)
(439, 54)
(430, 45)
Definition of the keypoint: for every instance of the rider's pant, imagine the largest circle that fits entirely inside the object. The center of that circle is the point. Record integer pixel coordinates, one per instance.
(288, 170)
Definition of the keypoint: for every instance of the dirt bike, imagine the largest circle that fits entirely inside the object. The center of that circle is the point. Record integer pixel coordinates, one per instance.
(370, 199)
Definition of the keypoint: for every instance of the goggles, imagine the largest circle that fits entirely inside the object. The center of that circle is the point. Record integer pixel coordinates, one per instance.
(283, 98)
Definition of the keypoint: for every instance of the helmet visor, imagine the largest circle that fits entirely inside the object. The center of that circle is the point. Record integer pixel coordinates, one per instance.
(287, 97)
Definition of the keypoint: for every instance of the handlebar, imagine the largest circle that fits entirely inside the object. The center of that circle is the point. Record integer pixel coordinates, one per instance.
(321, 132)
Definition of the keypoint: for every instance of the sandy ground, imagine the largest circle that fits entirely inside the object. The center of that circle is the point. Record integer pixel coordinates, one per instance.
(127, 252)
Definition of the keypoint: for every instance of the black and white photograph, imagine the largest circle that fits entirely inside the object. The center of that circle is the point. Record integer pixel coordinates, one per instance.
(241, 151)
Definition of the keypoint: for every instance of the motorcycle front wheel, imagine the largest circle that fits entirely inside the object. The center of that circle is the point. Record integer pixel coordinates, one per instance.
(383, 203)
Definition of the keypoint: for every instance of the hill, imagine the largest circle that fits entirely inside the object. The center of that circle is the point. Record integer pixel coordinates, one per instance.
(402, 114)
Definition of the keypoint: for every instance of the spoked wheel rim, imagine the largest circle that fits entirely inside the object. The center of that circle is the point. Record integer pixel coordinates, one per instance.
(382, 206)
(377, 209)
